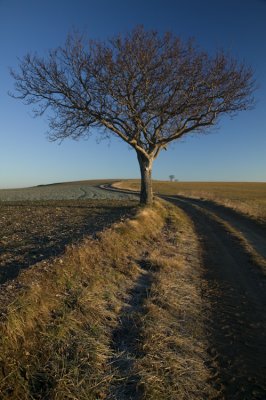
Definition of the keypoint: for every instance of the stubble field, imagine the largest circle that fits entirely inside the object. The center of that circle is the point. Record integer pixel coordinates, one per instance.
(246, 197)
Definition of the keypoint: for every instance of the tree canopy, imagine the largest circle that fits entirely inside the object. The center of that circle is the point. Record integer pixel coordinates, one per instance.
(146, 88)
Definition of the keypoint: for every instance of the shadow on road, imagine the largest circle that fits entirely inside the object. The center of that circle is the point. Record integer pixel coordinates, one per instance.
(235, 289)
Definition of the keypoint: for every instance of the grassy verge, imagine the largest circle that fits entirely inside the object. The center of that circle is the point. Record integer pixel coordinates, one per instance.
(33, 231)
(57, 334)
(172, 365)
(247, 197)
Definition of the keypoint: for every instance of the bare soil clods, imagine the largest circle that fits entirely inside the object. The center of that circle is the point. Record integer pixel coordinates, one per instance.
(35, 231)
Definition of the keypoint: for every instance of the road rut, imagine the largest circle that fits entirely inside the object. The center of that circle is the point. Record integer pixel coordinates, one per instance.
(234, 286)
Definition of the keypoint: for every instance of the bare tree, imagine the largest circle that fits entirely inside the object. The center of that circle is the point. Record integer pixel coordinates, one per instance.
(171, 177)
(145, 88)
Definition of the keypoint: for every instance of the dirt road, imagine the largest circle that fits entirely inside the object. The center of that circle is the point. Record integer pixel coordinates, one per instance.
(234, 286)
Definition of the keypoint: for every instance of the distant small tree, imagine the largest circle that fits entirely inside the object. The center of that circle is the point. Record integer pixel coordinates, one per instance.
(147, 89)
(171, 177)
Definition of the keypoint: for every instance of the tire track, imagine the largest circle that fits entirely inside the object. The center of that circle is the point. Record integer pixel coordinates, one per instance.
(83, 195)
(251, 230)
(236, 291)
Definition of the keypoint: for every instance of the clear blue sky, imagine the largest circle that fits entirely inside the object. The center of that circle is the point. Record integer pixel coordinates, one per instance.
(234, 152)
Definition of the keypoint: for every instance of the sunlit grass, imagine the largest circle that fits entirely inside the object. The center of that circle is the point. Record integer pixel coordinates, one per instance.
(56, 332)
(246, 197)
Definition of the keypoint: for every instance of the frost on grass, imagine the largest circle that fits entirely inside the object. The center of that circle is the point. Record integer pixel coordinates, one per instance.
(61, 192)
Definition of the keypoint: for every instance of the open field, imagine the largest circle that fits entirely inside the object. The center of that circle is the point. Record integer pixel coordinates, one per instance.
(62, 191)
(33, 231)
(246, 197)
(81, 326)
(121, 302)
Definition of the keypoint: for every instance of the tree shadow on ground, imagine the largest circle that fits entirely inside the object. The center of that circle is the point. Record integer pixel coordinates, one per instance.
(25, 246)
(126, 339)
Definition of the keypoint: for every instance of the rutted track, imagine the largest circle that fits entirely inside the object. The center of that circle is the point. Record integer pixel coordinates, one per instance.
(235, 288)
(250, 230)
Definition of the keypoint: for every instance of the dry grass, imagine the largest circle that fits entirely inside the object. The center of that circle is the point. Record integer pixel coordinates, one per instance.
(56, 334)
(174, 349)
(33, 231)
(246, 197)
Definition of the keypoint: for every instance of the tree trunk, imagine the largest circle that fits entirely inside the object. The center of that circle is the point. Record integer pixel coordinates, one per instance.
(146, 196)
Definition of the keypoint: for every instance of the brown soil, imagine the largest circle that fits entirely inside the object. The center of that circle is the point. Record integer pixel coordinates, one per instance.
(253, 231)
(36, 231)
(235, 288)
(233, 285)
